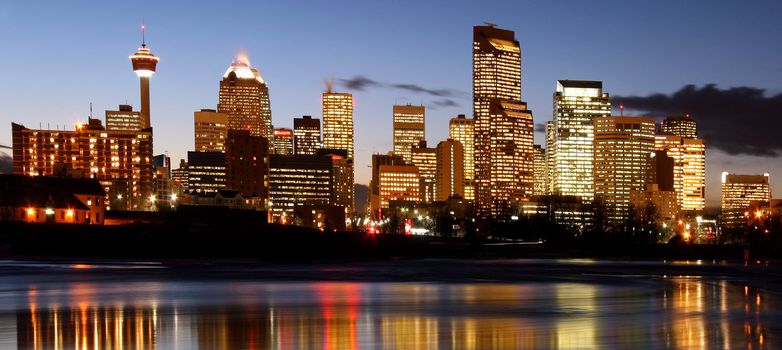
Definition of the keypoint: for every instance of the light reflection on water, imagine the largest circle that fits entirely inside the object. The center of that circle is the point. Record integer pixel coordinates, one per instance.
(678, 313)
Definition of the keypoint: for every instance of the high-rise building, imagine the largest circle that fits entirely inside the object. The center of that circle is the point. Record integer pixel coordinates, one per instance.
(123, 119)
(379, 160)
(462, 129)
(162, 181)
(306, 135)
(206, 172)
(211, 129)
(425, 158)
(663, 201)
(503, 125)
(409, 129)
(622, 153)
(338, 134)
(680, 125)
(117, 158)
(737, 193)
(398, 183)
(450, 170)
(145, 65)
(342, 179)
(298, 179)
(179, 178)
(551, 147)
(247, 164)
(283, 141)
(576, 104)
(539, 172)
(244, 97)
(689, 169)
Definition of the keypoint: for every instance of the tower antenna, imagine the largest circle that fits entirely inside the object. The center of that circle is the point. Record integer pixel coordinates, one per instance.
(143, 32)
(90, 109)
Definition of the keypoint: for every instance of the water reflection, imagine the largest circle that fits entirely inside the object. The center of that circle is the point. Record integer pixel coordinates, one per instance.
(679, 313)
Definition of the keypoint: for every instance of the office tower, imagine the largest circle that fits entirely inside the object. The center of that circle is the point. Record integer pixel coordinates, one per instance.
(689, 169)
(338, 134)
(622, 152)
(398, 183)
(374, 185)
(206, 172)
(123, 119)
(737, 193)
(462, 129)
(539, 172)
(409, 129)
(306, 135)
(244, 97)
(145, 65)
(425, 159)
(679, 125)
(576, 104)
(342, 180)
(247, 164)
(116, 158)
(211, 129)
(551, 147)
(664, 201)
(449, 172)
(179, 178)
(503, 125)
(296, 180)
(161, 165)
(283, 141)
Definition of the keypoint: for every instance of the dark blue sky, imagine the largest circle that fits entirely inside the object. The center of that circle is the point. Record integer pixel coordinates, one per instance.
(60, 56)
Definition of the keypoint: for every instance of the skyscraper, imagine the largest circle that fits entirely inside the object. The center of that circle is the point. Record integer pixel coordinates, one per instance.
(576, 104)
(124, 119)
(247, 164)
(425, 158)
(206, 172)
(450, 170)
(462, 129)
(298, 179)
(244, 97)
(503, 124)
(306, 135)
(398, 183)
(680, 125)
(737, 193)
(379, 160)
(540, 172)
(283, 141)
(211, 129)
(689, 169)
(145, 65)
(338, 134)
(409, 129)
(623, 148)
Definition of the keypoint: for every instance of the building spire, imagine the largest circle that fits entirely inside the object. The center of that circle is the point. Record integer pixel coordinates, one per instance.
(143, 32)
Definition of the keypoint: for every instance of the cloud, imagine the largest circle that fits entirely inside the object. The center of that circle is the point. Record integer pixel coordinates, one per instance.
(447, 102)
(361, 83)
(738, 120)
(540, 127)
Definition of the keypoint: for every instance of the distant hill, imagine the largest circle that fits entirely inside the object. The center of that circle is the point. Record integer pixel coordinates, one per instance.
(361, 197)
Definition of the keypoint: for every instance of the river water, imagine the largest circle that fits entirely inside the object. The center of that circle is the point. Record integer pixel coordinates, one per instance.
(62, 305)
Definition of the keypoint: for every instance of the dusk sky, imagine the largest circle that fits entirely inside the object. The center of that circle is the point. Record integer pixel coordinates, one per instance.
(60, 56)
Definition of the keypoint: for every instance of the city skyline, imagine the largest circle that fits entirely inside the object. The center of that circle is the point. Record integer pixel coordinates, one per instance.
(68, 101)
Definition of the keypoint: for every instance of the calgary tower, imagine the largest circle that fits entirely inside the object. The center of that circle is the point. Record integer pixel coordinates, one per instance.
(144, 64)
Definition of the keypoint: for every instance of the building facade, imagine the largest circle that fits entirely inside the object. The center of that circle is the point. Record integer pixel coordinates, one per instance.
(576, 105)
(206, 172)
(462, 129)
(297, 180)
(622, 153)
(409, 129)
(449, 173)
(689, 169)
(398, 183)
(306, 135)
(738, 191)
(247, 164)
(283, 141)
(425, 158)
(539, 172)
(123, 119)
(680, 125)
(211, 129)
(338, 134)
(244, 98)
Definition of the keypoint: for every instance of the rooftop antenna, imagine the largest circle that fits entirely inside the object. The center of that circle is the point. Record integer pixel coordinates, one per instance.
(143, 32)
(90, 109)
(622, 110)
